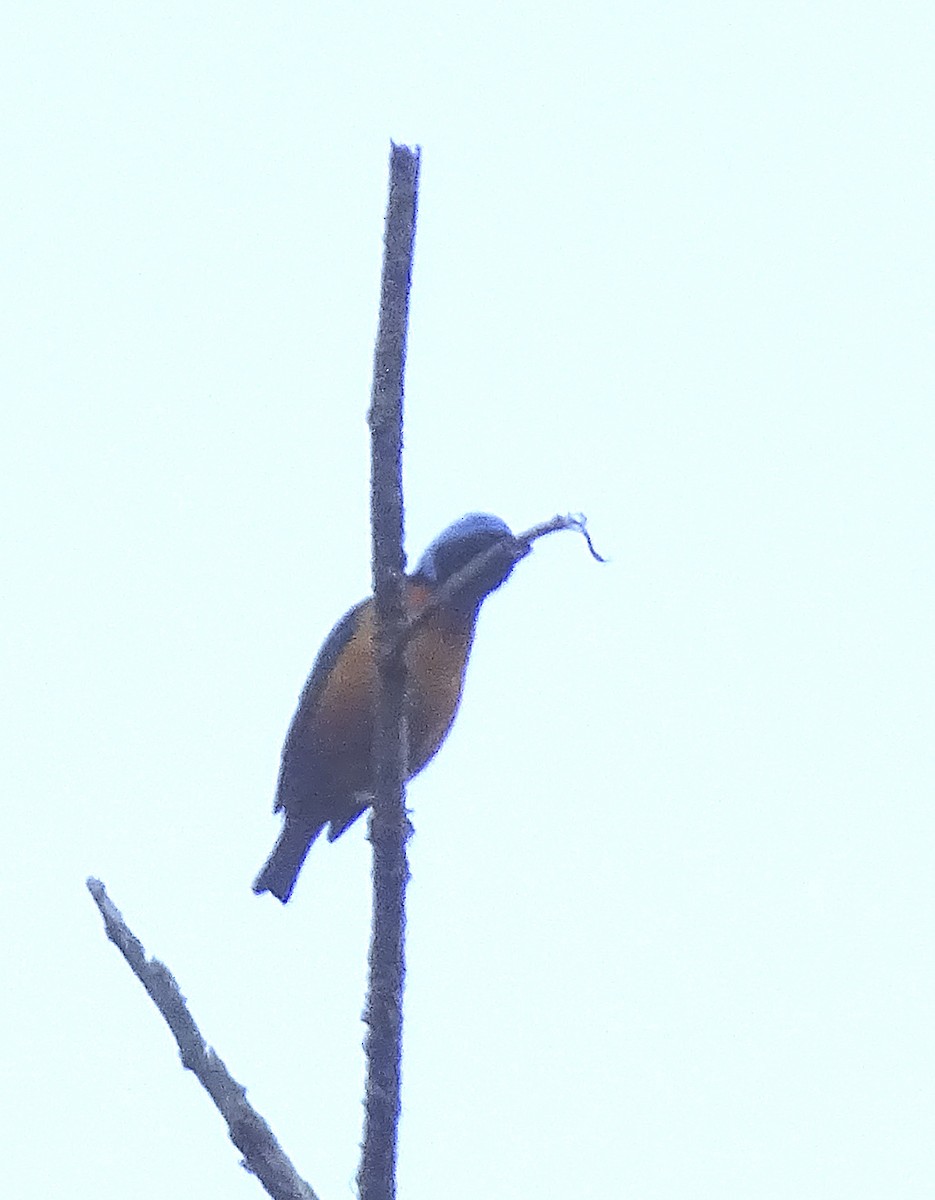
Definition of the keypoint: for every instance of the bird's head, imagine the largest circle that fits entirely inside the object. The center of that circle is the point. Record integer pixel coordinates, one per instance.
(459, 544)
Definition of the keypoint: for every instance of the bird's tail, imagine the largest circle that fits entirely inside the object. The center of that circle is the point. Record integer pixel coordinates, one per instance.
(281, 869)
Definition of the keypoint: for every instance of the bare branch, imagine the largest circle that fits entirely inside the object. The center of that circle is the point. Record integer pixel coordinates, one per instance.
(389, 826)
(262, 1153)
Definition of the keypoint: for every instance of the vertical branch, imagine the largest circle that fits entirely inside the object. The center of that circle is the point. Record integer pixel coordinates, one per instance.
(388, 824)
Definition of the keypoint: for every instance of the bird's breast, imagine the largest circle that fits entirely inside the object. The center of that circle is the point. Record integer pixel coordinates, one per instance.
(436, 659)
(341, 723)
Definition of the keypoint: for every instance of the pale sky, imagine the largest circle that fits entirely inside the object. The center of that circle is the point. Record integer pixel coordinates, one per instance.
(671, 922)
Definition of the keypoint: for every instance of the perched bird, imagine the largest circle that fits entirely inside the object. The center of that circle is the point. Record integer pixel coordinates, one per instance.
(326, 773)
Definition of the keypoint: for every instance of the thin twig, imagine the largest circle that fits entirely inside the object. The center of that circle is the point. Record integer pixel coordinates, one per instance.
(389, 826)
(517, 547)
(262, 1153)
(576, 521)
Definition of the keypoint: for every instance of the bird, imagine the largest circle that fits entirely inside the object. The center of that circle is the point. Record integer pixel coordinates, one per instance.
(326, 768)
